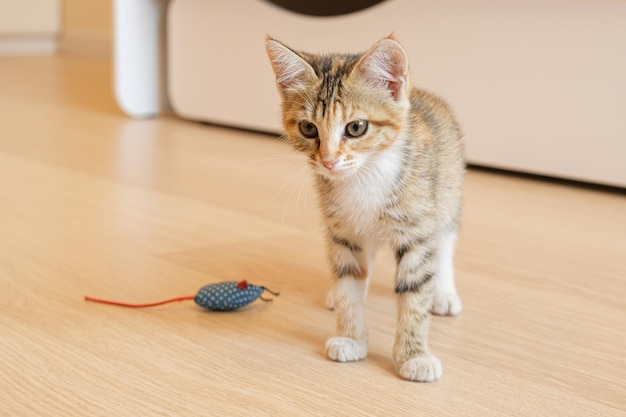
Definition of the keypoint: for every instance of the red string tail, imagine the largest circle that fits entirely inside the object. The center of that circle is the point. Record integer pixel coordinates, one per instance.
(158, 303)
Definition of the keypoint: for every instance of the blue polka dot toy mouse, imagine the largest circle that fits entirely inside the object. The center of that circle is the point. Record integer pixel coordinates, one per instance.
(221, 296)
(226, 296)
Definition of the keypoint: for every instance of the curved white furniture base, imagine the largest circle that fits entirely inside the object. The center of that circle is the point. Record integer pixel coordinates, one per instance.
(140, 79)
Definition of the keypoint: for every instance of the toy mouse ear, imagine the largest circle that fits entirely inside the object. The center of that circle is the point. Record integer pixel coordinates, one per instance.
(291, 70)
(385, 65)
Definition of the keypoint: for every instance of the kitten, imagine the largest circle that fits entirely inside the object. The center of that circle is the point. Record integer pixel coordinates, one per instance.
(388, 165)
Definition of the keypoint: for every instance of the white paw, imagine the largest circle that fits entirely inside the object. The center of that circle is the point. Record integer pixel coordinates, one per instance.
(330, 300)
(425, 368)
(343, 349)
(447, 304)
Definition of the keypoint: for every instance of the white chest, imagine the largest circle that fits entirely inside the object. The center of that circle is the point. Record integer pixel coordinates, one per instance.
(361, 198)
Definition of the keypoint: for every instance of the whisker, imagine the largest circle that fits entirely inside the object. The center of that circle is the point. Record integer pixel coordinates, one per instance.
(279, 157)
(287, 179)
(299, 174)
(304, 184)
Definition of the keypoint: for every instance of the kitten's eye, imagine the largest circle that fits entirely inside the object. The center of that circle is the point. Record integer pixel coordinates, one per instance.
(308, 129)
(356, 128)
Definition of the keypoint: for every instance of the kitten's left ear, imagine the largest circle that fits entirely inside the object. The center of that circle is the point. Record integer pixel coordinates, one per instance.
(385, 66)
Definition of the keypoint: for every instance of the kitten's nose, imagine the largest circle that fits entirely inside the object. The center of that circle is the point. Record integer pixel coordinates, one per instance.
(328, 164)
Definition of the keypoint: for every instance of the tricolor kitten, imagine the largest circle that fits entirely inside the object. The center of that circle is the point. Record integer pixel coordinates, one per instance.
(388, 165)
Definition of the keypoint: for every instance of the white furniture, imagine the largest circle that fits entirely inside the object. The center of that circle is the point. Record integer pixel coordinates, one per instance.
(538, 86)
(139, 56)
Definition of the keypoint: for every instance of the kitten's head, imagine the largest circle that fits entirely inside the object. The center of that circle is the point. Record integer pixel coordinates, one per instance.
(342, 110)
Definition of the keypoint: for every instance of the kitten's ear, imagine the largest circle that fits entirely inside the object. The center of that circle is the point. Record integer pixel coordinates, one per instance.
(385, 66)
(292, 72)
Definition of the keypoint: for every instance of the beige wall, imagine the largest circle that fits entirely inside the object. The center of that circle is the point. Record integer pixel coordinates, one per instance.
(29, 26)
(92, 16)
(29, 17)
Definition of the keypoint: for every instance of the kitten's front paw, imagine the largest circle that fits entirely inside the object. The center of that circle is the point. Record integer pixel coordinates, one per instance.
(343, 349)
(447, 304)
(425, 368)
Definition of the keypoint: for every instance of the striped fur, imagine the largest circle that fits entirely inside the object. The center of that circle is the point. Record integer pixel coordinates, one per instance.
(397, 183)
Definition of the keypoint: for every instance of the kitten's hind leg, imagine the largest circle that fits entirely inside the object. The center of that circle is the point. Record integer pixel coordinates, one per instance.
(446, 301)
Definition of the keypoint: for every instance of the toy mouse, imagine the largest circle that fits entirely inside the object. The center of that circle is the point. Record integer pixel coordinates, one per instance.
(220, 296)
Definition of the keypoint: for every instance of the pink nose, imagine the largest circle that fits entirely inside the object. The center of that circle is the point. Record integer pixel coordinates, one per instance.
(329, 164)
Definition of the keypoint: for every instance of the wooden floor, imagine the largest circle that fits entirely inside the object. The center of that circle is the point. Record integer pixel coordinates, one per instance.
(94, 203)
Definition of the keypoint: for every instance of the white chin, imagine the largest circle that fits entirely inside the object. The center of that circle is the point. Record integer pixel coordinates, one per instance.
(335, 173)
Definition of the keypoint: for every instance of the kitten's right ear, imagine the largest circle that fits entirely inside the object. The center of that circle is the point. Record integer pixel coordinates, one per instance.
(292, 72)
